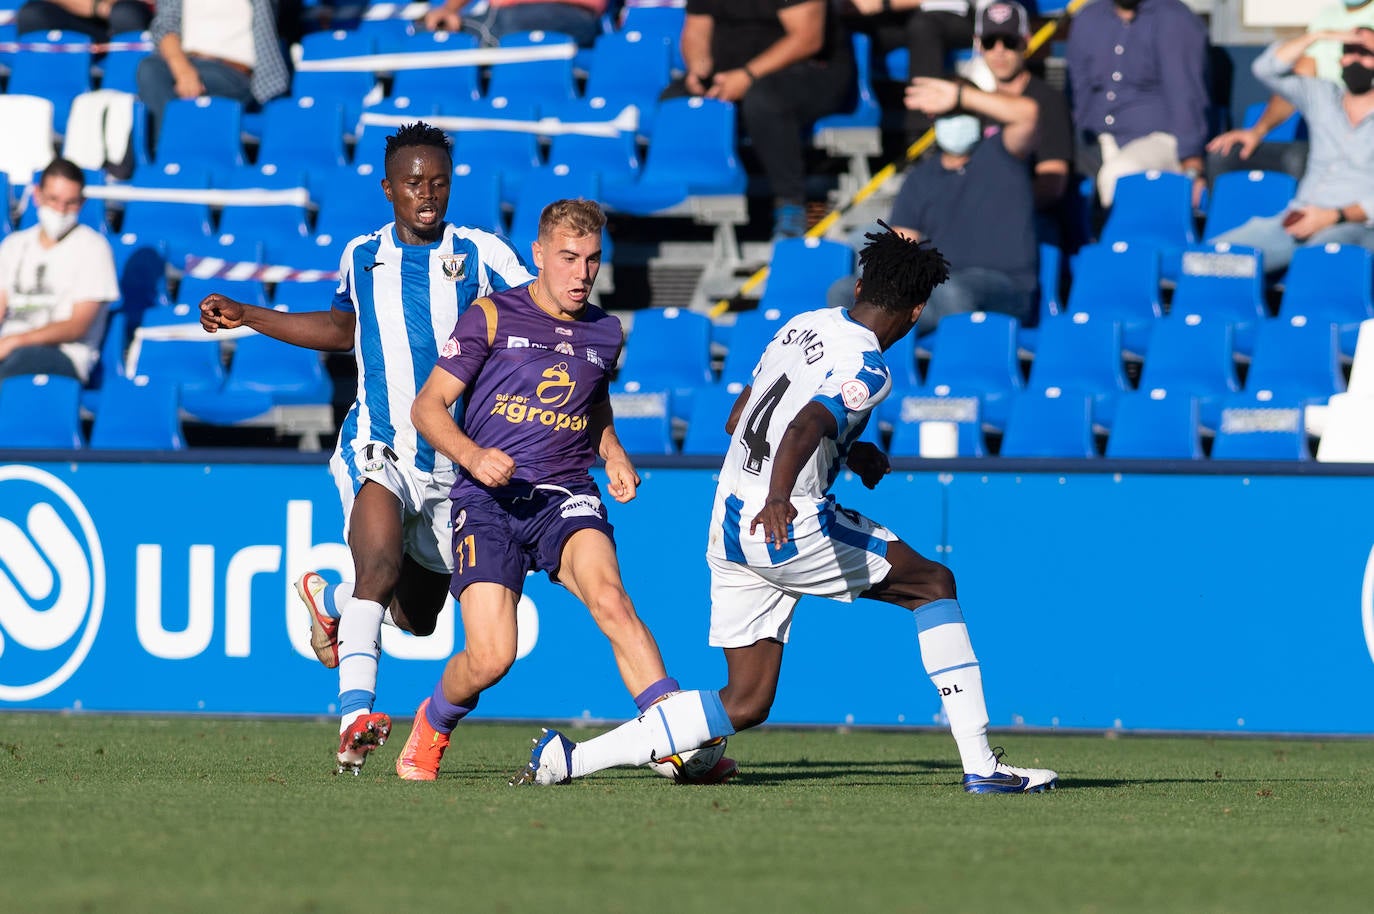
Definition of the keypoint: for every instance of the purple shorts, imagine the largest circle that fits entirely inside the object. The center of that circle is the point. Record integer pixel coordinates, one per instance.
(501, 539)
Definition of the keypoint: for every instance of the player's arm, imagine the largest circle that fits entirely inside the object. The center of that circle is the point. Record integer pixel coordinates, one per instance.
(431, 414)
(738, 409)
(622, 479)
(799, 441)
(327, 331)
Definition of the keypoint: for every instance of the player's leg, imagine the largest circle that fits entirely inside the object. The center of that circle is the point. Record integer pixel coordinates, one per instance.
(420, 595)
(751, 682)
(427, 567)
(374, 539)
(488, 611)
(928, 589)
(590, 570)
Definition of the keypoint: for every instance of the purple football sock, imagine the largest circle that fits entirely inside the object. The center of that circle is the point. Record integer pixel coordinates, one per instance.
(442, 714)
(654, 692)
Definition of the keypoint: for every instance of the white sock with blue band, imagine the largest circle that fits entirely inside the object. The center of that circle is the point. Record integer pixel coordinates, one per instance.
(683, 720)
(947, 654)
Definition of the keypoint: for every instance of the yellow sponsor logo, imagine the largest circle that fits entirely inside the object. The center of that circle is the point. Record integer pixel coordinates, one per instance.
(557, 390)
(518, 410)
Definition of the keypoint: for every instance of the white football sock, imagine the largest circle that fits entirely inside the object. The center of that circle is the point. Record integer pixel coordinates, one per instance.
(681, 721)
(947, 654)
(360, 631)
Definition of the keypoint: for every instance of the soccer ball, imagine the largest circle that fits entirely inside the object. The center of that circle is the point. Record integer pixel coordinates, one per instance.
(691, 766)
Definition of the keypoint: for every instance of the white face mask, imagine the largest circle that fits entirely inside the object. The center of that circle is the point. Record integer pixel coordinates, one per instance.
(56, 224)
(957, 135)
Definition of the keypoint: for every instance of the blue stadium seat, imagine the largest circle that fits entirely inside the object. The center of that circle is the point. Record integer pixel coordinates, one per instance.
(693, 153)
(285, 374)
(1155, 425)
(303, 133)
(1153, 208)
(1119, 282)
(1237, 196)
(1298, 359)
(915, 410)
(1225, 281)
(514, 153)
(475, 198)
(349, 88)
(643, 420)
(268, 224)
(311, 295)
(711, 407)
(434, 85)
(629, 67)
(752, 332)
(661, 23)
(369, 147)
(203, 132)
(119, 67)
(1049, 424)
(352, 203)
(176, 224)
(138, 414)
(863, 109)
(1081, 354)
(801, 272)
(141, 264)
(57, 75)
(315, 252)
(1257, 429)
(536, 82)
(541, 186)
(613, 158)
(669, 349)
(976, 356)
(1192, 355)
(1331, 282)
(40, 411)
(231, 249)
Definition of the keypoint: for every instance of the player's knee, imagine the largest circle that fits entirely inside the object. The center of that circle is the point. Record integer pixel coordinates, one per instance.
(613, 611)
(941, 582)
(488, 665)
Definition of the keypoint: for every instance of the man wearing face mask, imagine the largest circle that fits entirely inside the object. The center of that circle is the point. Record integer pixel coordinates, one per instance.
(56, 280)
(1240, 148)
(1137, 69)
(1334, 203)
(974, 199)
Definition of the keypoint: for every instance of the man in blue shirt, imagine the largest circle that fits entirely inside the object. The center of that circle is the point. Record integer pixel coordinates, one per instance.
(1335, 199)
(1137, 69)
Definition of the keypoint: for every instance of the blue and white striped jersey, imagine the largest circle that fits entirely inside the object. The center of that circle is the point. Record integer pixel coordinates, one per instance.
(407, 299)
(825, 356)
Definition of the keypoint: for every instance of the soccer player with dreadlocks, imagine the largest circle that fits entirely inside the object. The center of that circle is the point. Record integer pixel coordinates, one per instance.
(777, 534)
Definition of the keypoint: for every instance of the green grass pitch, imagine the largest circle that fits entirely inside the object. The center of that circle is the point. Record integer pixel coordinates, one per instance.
(140, 814)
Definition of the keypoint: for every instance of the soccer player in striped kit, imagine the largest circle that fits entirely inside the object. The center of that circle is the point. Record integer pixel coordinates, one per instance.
(401, 291)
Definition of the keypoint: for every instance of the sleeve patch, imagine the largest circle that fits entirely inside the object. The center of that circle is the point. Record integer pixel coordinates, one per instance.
(451, 348)
(854, 394)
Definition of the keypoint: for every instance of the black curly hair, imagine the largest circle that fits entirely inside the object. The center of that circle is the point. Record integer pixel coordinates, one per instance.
(416, 134)
(899, 273)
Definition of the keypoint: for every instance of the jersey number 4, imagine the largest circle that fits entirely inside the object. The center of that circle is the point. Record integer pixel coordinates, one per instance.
(755, 437)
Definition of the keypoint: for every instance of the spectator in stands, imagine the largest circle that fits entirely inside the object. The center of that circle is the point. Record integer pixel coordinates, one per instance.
(1335, 199)
(973, 198)
(97, 18)
(207, 48)
(928, 29)
(785, 63)
(580, 19)
(1138, 74)
(1236, 149)
(1003, 30)
(56, 280)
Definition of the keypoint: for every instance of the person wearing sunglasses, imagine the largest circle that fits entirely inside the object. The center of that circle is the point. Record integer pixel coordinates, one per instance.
(1003, 31)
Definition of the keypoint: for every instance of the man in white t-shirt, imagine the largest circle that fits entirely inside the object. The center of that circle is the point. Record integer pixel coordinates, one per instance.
(56, 280)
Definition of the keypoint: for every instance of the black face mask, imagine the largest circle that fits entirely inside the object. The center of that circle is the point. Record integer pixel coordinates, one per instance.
(1358, 78)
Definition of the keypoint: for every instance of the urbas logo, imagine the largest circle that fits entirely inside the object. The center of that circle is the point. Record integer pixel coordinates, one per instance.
(52, 583)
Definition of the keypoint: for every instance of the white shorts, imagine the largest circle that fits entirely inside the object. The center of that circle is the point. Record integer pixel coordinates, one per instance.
(426, 515)
(750, 603)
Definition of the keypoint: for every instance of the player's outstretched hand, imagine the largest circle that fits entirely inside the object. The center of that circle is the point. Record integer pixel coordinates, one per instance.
(491, 466)
(217, 311)
(866, 459)
(623, 480)
(775, 517)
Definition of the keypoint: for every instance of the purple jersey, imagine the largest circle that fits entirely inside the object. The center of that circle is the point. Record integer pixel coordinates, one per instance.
(531, 381)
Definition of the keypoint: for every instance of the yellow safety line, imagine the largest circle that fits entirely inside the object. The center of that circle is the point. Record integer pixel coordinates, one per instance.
(913, 152)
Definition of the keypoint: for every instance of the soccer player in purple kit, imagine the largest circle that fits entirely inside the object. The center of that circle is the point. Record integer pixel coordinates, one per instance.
(532, 367)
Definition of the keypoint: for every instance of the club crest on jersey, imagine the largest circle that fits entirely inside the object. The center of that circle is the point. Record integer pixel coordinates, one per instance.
(451, 348)
(854, 393)
(453, 266)
(564, 348)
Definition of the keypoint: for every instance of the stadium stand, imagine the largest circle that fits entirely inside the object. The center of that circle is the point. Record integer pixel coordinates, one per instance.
(138, 414)
(40, 411)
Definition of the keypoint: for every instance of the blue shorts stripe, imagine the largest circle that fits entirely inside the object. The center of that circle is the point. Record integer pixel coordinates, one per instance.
(717, 721)
(733, 551)
(831, 527)
(938, 612)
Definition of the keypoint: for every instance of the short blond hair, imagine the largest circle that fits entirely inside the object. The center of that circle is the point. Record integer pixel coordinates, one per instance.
(579, 217)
